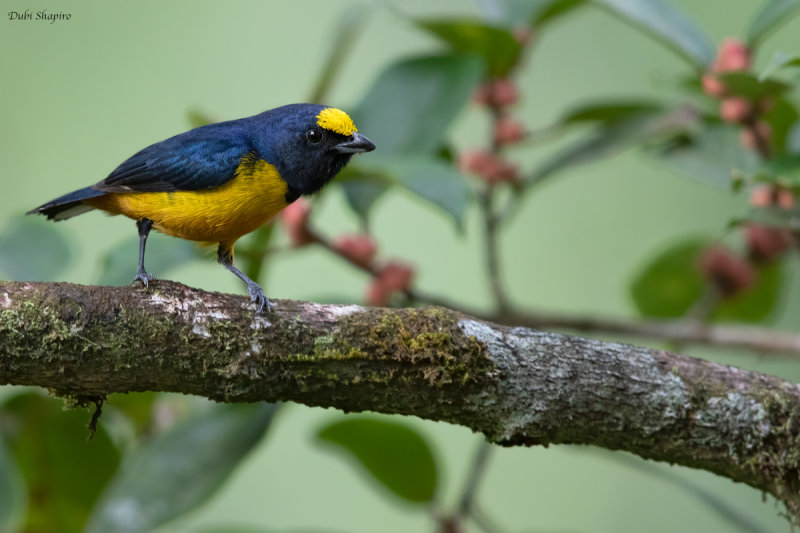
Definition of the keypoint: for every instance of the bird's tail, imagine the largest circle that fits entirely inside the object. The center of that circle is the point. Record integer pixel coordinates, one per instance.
(69, 205)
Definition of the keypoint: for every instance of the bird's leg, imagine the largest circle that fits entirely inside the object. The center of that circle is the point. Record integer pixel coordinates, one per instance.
(225, 258)
(144, 225)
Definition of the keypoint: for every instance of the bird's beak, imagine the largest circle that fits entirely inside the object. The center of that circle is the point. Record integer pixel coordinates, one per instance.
(355, 144)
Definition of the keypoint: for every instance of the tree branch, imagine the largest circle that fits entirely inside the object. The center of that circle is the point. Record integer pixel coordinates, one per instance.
(517, 386)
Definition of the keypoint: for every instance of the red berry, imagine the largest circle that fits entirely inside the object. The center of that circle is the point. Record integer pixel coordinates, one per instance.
(396, 276)
(508, 131)
(504, 92)
(490, 167)
(729, 272)
(498, 93)
(735, 109)
(475, 161)
(359, 249)
(733, 54)
(768, 195)
(504, 172)
(295, 220)
(377, 294)
(766, 243)
(762, 196)
(785, 198)
(712, 86)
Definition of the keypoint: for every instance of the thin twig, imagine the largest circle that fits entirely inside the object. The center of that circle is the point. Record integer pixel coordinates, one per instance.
(482, 521)
(490, 222)
(764, 341)
(465, 506)
(318, 238)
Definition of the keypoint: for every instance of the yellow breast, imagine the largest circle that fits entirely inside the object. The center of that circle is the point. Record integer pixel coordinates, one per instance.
(222, 214)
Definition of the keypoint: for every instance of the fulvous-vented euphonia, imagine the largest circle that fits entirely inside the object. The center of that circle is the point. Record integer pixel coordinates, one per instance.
(218, 182)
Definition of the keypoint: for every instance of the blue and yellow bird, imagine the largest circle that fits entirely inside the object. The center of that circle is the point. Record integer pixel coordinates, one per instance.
(215, 183)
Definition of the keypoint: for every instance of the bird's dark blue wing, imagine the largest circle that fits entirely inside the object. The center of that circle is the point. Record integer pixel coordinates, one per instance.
(202, 158)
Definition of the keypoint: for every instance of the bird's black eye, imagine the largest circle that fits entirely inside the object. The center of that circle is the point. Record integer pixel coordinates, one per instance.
(314, 135)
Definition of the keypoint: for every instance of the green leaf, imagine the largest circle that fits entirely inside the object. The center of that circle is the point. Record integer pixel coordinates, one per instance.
(34, 249)
(538, 13)
(602, 143)
(408, 110)
(748, 85)
(435, 181)
(497, 46)
(350, 26)
(780, 60)
(714, 155)
(664, 22)
(783, 171)
(65, 474)
(425, 176)
(770, 17)
(396, 455)
(414, 101)
(361, 190)
(784, 119)
(670, 284)
(12, 492)
(137, 407)
(162, 254)
(611, 138)
(608, 111)
(179, 469)
(547, 11)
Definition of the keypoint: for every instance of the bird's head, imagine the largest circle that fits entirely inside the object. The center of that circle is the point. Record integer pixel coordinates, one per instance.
(309, 144)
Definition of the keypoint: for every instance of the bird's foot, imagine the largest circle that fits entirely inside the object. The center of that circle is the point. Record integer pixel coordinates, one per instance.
(257, 297)
(144, 277)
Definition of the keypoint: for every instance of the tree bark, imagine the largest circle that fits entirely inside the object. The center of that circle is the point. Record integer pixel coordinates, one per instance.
(517, 386)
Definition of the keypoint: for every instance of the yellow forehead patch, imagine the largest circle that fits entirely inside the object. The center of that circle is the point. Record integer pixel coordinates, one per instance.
(336, 121)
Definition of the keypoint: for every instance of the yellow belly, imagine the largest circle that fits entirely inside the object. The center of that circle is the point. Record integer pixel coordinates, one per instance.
(221, 214)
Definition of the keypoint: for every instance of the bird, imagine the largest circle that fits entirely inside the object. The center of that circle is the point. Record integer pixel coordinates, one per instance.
(218, 182)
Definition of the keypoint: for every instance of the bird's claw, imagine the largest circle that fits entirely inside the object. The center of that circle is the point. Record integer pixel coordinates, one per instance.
(144, 277)
(257, 297)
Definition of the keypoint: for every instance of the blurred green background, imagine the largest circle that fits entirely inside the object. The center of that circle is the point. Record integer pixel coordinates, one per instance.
(80, 96)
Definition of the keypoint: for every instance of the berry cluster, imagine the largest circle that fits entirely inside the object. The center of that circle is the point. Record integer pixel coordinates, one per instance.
(497, 95)
(733, 273)
(388, 277)
(734, 56)
(730, 272)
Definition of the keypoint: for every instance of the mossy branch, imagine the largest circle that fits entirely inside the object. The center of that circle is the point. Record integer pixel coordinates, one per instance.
(517, 386)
